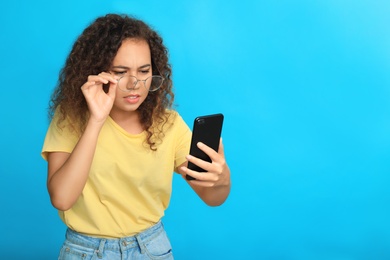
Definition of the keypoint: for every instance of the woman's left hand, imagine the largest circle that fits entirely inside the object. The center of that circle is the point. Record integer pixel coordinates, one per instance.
(217, 171)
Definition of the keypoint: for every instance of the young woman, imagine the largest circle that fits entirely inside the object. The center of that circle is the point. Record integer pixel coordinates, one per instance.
(114, 142)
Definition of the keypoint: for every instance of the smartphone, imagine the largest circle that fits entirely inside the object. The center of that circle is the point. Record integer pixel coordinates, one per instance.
(207, 129)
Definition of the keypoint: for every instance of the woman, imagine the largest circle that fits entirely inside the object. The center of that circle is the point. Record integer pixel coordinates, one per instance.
(114, 142)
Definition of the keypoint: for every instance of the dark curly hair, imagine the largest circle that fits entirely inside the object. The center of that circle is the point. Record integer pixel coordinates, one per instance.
(92, 53)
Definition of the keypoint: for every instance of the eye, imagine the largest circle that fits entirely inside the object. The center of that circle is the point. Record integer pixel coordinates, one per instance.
(145, 71)
(119, 73)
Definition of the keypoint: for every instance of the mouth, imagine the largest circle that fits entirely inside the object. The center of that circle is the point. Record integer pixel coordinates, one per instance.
(132, 98)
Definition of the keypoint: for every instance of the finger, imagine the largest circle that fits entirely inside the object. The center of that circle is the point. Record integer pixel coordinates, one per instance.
(87, 85)
(205, 165)
(108, 76)
(102, 79)
(205, 184)
(215, 169)
(112, 90)
(108, 81)
(214, 156)
(200, 176)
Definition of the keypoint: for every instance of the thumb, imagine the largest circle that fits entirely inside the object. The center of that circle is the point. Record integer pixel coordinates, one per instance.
(112, 89)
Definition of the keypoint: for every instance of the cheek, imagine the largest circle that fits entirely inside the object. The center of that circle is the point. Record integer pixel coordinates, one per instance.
(118, 93)
(145, 95)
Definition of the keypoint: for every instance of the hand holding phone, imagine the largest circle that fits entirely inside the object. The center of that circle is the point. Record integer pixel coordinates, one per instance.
(206, 129)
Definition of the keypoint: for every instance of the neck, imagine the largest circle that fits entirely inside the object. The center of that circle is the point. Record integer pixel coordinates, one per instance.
(128, 121)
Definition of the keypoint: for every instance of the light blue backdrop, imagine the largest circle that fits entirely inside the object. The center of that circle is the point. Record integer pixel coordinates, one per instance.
(304, 86)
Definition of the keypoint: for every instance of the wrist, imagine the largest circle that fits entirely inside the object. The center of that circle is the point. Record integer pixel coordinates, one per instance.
(94, 125)
(99, 122)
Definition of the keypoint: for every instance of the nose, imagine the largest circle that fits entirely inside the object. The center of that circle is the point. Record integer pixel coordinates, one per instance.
(132, 83)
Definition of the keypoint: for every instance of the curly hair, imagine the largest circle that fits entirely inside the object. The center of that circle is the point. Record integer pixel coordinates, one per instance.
(94, 52)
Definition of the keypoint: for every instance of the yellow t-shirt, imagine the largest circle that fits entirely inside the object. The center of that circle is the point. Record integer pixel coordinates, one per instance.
(129, 186)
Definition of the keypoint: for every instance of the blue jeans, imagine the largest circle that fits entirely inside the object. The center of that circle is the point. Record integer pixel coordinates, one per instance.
(152, 243)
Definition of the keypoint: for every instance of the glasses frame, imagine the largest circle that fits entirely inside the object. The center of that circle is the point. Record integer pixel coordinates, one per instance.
(143, 80)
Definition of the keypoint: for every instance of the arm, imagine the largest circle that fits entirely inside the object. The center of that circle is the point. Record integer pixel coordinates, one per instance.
(212, 186)
(68, 173)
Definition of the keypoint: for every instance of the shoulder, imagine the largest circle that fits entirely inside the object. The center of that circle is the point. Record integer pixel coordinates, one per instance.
(173, 117)
(62, 123)
(171, 121)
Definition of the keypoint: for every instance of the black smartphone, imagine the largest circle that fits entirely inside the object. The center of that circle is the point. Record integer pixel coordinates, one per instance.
(207, 129)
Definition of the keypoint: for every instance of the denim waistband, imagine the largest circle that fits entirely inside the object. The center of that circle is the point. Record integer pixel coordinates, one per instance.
(116, 243)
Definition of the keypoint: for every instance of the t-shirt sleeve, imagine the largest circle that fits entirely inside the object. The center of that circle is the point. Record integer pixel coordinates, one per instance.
(183, 141)
(58, 139)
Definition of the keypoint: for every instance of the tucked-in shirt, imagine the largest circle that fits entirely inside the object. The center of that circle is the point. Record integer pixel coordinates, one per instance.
(129, 185)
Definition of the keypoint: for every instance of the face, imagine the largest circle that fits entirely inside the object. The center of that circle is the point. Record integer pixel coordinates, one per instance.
(132, 59)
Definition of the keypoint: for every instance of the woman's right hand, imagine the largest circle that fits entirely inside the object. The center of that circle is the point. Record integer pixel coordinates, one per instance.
(99, 102)
(68, 172)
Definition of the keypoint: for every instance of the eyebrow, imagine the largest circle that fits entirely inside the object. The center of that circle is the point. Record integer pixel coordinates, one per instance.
(127, 68)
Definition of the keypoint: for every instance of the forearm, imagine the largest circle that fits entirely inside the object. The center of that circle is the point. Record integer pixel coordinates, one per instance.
(66, 183)
(213, 196)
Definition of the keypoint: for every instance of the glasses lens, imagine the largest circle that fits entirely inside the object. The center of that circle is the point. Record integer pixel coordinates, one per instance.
(154, 82)
(127, 83)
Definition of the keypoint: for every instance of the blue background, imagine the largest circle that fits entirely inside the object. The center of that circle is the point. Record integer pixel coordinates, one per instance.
(304, 86)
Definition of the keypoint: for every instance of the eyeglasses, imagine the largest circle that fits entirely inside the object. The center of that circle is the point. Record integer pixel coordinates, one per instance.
(152, 83)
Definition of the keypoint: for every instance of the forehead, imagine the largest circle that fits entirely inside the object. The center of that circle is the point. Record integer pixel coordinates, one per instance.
(133, 52)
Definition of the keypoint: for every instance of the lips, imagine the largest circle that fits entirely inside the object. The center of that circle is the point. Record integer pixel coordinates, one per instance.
(132, 98)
